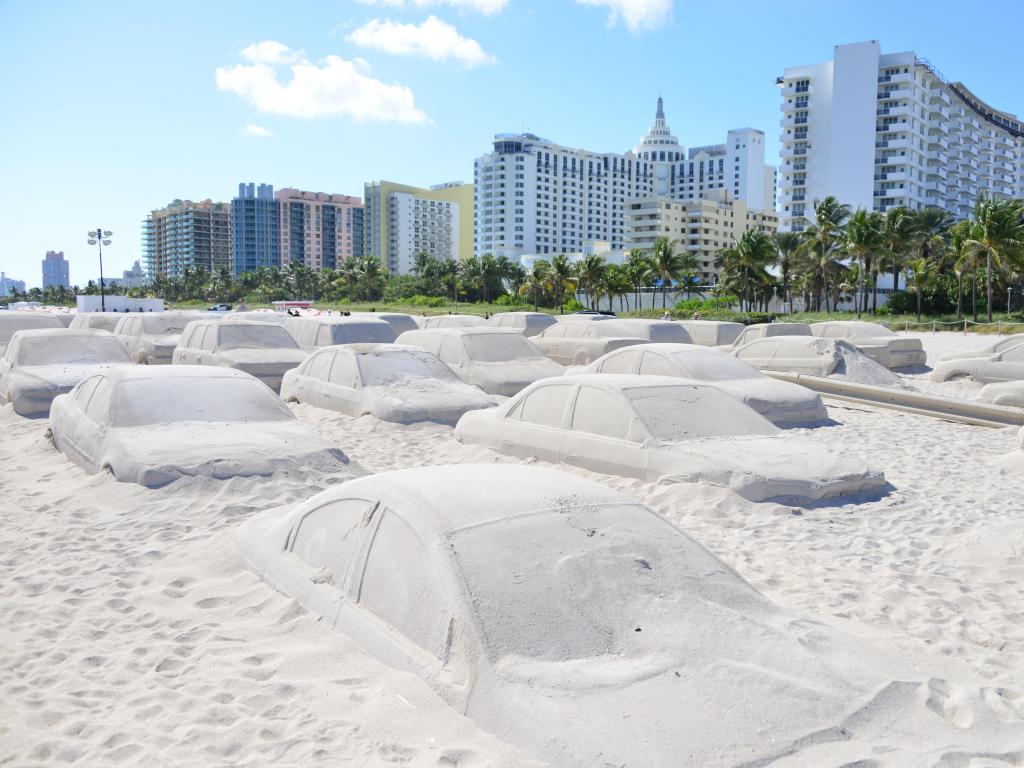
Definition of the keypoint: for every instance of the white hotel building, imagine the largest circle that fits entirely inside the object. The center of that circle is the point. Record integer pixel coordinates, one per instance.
(532, 196)
(882, 130)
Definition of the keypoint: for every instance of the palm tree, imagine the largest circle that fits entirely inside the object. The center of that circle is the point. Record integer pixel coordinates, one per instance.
(637, 269)
(562, 278)
(822, 236)
(897, 238)
(744, 263)
(668, 265)
(537, 282)
(590, 272)
(998, 232)
(862, 237)
(920, 269)
(786, 245)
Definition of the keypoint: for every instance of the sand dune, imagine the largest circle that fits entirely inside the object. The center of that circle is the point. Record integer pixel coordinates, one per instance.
(132, 633)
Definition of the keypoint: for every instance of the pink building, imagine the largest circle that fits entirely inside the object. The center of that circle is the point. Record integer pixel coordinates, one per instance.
(319, 230)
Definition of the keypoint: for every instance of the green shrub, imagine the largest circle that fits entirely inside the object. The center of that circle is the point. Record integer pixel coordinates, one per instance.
(509, 300)
(427, 301)
(572, 305)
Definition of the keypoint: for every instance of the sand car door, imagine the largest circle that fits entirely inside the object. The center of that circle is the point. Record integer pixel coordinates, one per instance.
(314, 379)
(624, 361)
(188, 343)
(344, 393)
(206, 352)
(75, 425)
(654, 364)
(93, 433)
(601, 434)
(535, 426)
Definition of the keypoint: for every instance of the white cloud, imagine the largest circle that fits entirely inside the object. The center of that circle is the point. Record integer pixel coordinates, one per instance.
(433, 39)
(486, 7)
(333, 86)
(257, 130)
(637, 15)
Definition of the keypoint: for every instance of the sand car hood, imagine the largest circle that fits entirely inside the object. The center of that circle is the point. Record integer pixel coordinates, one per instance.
(268, 360)
(510, 376)
(777, 401)
(156, 455)
(412, 400)
(761, 468)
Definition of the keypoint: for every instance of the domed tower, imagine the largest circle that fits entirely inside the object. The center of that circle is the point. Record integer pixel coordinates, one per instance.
(660, 147)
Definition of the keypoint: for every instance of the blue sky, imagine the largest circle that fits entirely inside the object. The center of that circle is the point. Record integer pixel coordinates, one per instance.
(112, 109)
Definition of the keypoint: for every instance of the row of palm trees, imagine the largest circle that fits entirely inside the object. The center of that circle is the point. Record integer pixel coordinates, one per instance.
(841, 251)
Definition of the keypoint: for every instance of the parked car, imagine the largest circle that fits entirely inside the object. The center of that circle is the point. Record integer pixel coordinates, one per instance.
(581, 343)
(527, 323)
(452, 321)
(264, 350)
(497, 360)
(770, 330)
(712, 333)
(97, 321)
(780, 402)
(392, 382)
(659, 331)
(663, 430)
(400, 322)
(330, 330)
(1000, 346)
(1004, 393)
(874, 340)
(1007, 365)
(566, 618)
(150, 337)
(220, 308)
(12, 322)
(798, 354)
(40, 364)
(154, 425)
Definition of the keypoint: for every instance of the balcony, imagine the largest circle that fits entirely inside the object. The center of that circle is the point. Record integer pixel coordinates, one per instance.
(794, 90)
(892, 176)
(899, 111)
(942, 126)
(892, 144)
(938, 141)
(898, 77)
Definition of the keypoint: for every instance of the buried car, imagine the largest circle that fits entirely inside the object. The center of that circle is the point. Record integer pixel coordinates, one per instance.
(1004, 393)
(331, 330)
(663, 430)
(153, 425)
(498, 360)
(1007, 365)
(1000, 346)
(452, 321)
(264, 350)
(392, 382)
(572, 342)
(816, 357)
(770, 331)
(875, 340)
(39, 365)
(527, 323)
(96, 321)
(151, 337)
(12, 322)
(778, 401)
(584, 628)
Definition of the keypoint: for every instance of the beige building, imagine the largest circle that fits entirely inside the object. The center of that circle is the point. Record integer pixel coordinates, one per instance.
(187, 234)
(319, 230)
(704, 227)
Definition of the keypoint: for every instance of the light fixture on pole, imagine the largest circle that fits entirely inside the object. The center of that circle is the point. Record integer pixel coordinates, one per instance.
(100, 237)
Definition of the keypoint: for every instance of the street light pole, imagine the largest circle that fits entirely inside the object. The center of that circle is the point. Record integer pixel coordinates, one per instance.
(1009, 298)
(100, 237)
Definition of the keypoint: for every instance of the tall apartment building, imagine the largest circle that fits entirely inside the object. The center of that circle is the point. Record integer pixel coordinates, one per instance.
(704, 226)
(401, 221)
(535, 196)
(255, 228)
(319, 230)
(56, 271)
(882, 130)
(134, 277)
(187, 234)
(8, 285)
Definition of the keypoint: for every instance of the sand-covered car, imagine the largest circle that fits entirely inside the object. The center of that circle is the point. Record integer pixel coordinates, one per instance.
(583, 627)
(780, 402)
(663, 430)
(1004, 393)
(151, 337)
(993, 349)
(527, 323)
(154, 425)
(497, 360)
(1007, 365)
(265, 350)
(876, 341)
(11, 322)
(331, 330)
(712, 333)
(452, 321)
(657, 331)
(41, 364)
(770, 331)
(816, 357)
(97, 321)
(399, 321)
(392, 382)
(573, 342)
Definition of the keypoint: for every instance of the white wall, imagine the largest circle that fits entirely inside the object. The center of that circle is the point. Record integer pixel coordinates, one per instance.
(119, 304)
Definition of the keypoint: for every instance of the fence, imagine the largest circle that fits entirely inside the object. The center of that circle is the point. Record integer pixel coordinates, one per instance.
(934, 326)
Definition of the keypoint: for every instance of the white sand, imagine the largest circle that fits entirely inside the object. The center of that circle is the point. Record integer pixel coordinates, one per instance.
(131, 633)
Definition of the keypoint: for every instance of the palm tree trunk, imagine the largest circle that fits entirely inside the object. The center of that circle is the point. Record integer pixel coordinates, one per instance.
(895, 275)
(988, 281)
(974, 294)
(959, 295)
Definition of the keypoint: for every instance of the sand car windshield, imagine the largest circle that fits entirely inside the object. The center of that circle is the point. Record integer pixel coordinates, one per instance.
(677, 414)
(259, 336)
(708, 366)
(155, 325)
(72, 350)
(382, 368)
(498, 347)
(146, 402)
(585, 582)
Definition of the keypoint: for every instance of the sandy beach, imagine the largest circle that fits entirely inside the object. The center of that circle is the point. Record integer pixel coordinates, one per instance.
(132, 633)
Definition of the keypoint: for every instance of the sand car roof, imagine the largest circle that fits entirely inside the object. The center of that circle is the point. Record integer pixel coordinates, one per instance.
(172, 372)
(63, 333)
(476, 330)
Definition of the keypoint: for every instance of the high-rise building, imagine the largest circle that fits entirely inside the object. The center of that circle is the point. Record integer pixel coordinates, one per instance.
(401, 221)
(703, 227)
(134, 277)
(882, 130)
(56, 271)
(187, 234)
(8, 285)
(533, 196)
(319, 230)
(255, 229)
